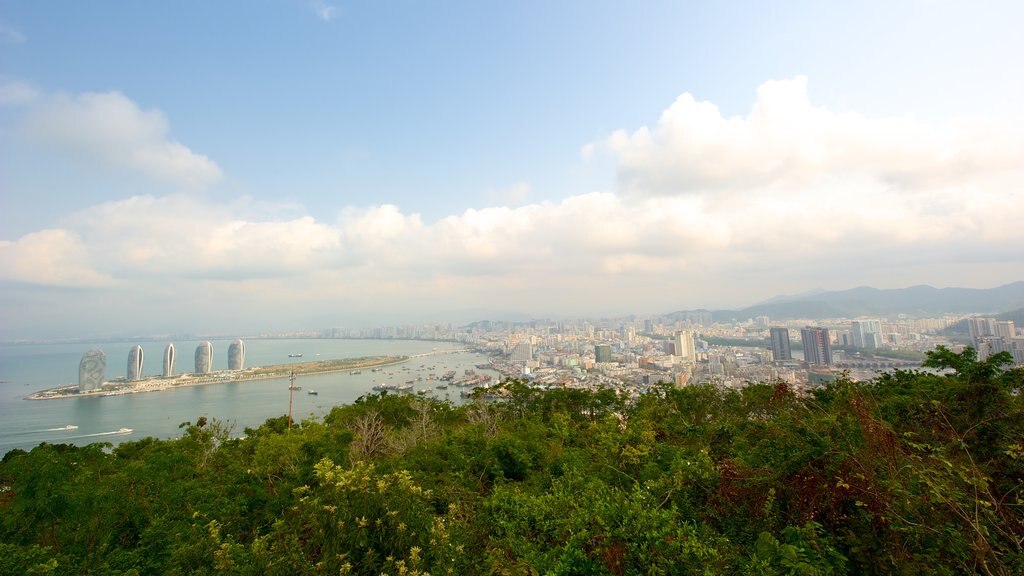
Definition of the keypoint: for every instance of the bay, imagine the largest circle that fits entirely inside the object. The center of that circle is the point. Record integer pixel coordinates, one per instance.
(27, 368)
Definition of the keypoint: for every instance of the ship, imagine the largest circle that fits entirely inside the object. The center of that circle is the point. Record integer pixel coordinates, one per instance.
(354, 372)
(312, 392)
(70, 427)
(295, 355)
(124, 431)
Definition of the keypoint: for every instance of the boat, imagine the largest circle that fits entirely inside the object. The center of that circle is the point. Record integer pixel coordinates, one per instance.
(354, 372)
(423, 391)
(441, 386)
(295, 355)
(124, 430)
(70, 427)
(312, 392)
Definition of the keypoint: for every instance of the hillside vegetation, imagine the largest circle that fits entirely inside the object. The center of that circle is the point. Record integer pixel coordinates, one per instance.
(913, 473)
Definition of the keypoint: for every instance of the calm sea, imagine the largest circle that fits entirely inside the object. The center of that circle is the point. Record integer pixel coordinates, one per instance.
(28, 368)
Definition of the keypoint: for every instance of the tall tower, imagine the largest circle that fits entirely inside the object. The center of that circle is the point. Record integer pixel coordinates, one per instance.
(817, 348)
(685, 347)
(204, 358)
(602, 353)
(236, 355)
(780, 344)
(90, 370)
(169, 360)
(523, 352)
(866, 333)
(135, 363)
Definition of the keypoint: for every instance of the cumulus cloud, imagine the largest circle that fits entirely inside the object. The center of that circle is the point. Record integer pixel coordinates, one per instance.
(712, 211)
(786, 140)
(11, 35)
(111, 128)
(323, 10)
(16, 92)
(513, 195)
(49, 257)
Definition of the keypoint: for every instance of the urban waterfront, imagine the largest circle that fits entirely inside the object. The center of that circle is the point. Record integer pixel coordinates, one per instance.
(25, 369)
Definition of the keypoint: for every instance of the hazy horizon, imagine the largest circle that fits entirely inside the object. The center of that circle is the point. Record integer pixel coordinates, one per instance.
(215, 167)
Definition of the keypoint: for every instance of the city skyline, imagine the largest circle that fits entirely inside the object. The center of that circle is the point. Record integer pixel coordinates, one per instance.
(391, 163)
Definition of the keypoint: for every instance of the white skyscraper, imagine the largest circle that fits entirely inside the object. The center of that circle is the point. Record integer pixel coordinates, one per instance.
(685, 348)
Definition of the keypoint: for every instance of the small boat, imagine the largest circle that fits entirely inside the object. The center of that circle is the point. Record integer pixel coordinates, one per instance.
(312, 392)
(70, 427)
(295, 355)
(354, 372)
(124, 430)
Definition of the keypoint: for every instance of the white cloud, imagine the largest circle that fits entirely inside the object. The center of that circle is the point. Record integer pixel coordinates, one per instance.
(513, 195)
(16, 92)
(112, 129)
(713, 212)
(786, 140)
(323, 10)
(49, 257)
(10, 35)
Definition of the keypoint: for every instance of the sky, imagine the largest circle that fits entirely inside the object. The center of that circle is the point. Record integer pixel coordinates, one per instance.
(240, 167)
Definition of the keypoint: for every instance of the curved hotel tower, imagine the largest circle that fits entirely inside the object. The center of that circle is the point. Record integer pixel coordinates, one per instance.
(90, 370)
(169, 360)
(236, 355)
(135, 363)
(204, 358)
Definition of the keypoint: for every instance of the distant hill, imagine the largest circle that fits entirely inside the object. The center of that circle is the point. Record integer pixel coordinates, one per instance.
(918, 301)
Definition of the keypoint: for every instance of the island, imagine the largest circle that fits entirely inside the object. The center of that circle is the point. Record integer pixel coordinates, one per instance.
(158, 383)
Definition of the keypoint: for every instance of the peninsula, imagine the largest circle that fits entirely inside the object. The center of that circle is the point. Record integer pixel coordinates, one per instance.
(157, 383)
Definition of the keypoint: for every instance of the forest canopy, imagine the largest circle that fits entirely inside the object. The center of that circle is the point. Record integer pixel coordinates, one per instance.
(912, 473)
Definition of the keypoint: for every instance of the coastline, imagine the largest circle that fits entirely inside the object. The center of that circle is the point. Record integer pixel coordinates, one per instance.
(159, 383)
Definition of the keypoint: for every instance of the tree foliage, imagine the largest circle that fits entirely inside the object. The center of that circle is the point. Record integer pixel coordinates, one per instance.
(912, 473)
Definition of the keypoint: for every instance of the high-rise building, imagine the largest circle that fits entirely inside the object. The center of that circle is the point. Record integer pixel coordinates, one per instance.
(523, 352)
(204, 358)
(866, 333)
(602, 353)
(169, 360)
(780, 345)
(135, 363)
(236, 355)
(90, 370)
(980, 327)
(817, 348)
(685, 348)
(1006, 329)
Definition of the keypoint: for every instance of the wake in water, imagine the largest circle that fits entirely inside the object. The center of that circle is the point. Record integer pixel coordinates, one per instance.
(120, 432)
(68, 428)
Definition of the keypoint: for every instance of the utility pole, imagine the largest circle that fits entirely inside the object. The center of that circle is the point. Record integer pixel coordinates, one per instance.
(291, 392)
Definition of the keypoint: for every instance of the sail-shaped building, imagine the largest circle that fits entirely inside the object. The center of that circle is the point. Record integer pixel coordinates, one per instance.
(90, 370)
(236, 355)
(204, 358)
(169, 360)
(135, 363)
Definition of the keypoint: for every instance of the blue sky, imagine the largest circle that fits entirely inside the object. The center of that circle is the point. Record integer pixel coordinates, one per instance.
(554, 158)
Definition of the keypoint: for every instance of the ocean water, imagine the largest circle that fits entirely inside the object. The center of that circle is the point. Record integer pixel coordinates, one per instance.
(28, 368)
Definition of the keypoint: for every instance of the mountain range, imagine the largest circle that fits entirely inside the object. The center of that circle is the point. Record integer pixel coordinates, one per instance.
(915, 301)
